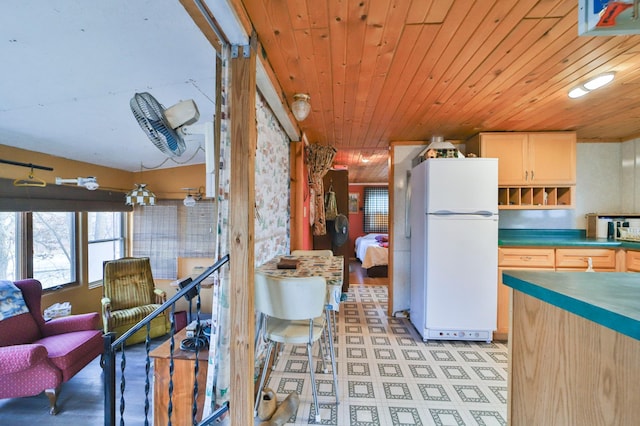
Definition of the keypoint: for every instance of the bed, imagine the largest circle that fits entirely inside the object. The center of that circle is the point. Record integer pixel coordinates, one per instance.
(373, 251)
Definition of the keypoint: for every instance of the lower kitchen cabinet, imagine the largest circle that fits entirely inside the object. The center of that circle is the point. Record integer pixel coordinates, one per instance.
(554, 259)
(577, 259)
(517, 258)
(632, 261)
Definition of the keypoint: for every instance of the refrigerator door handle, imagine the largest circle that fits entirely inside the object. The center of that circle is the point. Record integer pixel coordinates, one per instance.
(483, 213)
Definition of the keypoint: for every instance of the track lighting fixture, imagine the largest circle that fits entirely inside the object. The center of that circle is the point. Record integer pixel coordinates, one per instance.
(89, 182)
(190, 200)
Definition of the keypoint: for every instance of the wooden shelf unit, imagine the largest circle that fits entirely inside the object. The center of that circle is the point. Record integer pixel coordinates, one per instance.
(536, 197)
(532, 166)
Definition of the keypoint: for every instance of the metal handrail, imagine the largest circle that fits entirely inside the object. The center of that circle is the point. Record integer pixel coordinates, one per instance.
(111, 344)
(215, 415)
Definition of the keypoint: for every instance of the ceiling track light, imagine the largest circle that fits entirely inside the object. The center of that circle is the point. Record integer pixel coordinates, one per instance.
(301, 106)
(190, 200)
(592, 84)
(90, 182)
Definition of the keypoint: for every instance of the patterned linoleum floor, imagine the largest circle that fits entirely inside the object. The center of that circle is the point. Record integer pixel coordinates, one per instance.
(387, 376)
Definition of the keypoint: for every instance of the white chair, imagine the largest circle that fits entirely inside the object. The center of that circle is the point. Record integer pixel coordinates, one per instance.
(293, 310)
(324, 253)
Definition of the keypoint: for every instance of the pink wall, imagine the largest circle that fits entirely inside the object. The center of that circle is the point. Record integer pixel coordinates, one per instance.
(356, 220)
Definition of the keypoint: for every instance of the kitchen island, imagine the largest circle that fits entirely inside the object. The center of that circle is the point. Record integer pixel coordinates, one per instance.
(574, 348)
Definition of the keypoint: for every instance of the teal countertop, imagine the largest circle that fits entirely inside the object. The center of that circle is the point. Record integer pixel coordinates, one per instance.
(557, 238)
(611, 299)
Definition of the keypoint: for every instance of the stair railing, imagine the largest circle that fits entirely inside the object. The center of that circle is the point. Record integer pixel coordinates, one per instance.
(112, 345)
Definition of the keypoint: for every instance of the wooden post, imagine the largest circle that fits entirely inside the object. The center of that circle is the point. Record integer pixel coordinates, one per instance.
(241, 231)
(297, 178)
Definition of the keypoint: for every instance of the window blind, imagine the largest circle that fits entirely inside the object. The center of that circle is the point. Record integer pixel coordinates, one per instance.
(376, 209)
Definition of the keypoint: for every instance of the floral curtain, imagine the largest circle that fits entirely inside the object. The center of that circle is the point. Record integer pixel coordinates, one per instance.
(219, 373)
(318, 159)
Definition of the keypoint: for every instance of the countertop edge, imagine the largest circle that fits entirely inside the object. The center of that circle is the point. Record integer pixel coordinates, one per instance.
(612, 320)
(586, 243)
(558, 238)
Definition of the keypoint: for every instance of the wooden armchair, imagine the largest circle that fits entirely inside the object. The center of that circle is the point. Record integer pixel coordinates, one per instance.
(129, 295)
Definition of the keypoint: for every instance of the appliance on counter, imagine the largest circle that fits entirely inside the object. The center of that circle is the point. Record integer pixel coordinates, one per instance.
(613, 226)
(454, 248)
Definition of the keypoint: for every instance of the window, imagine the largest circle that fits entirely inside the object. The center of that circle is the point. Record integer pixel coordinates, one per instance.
(54, 254)
(44, 245)
(8, 246)
(105, 234)
(376, 209)
(170, 230)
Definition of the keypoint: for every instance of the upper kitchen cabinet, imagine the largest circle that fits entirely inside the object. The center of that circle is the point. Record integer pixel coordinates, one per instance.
(535, 170)
(552, 158)
(529, 158)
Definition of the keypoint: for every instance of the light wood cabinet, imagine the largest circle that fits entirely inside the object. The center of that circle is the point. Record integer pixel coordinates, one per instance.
(183, 382)
(576, 259)
(511, 151)
(517, 258)
(535, 170)
(632, 261)
(552, 158)
(526, 159)
(558, 259)
(526, 257)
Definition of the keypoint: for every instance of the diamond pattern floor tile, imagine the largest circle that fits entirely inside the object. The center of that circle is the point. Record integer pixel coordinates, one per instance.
(387, 376)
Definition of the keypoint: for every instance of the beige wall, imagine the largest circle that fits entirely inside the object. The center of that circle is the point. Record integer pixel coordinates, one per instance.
(107, 177)
(168, 183)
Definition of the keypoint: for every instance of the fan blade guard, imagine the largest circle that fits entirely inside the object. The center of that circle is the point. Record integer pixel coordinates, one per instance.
(150, 116)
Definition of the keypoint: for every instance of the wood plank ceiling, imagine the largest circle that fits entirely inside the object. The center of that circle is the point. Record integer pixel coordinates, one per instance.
(380, 71)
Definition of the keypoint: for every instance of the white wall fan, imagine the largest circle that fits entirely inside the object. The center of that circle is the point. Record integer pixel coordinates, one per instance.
(167, 127)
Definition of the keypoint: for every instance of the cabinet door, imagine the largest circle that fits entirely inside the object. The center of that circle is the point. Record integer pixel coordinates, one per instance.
(633, 261)
(510, 150)
(552, 159)
(517, 258)
(524, 257)
(604, 260)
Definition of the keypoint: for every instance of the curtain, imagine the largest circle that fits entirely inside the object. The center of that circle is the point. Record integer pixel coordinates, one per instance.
(318, 159)
(219, 373)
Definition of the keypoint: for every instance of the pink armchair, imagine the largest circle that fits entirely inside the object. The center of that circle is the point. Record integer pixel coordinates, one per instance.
(37, 356)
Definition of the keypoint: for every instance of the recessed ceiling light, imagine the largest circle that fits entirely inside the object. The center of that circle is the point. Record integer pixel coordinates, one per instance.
(576, 92)
(599, 81)
(595, 83)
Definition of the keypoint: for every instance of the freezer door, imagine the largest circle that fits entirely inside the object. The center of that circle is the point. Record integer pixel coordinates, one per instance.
(462, 272)
(462, 185)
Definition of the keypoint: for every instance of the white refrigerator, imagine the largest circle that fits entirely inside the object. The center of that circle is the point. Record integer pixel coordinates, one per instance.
(454, 248)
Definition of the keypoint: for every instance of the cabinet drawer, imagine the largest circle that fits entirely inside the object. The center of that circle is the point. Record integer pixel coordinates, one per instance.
(633, 261)
(526, 257)
(578, 258)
